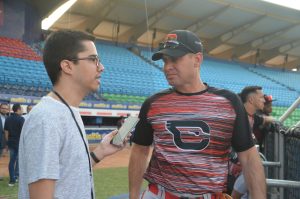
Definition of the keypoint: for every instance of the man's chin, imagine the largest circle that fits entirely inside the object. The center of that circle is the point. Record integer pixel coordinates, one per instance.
(95, 89)
(171, 83)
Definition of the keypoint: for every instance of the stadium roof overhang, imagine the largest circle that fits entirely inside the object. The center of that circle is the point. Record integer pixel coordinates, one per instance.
(251, 31)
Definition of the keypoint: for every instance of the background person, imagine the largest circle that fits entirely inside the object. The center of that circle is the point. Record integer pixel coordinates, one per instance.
(261, 131)
(28, 109)
(13, 127)
(254, 101)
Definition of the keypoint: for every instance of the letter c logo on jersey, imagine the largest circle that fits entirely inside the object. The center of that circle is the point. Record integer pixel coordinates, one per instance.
(189, 135)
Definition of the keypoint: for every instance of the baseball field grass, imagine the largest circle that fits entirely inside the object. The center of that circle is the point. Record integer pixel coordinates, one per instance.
(108, 182)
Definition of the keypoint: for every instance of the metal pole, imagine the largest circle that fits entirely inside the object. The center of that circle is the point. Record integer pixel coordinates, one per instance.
(281, 147)
(298, 124)
(282, 161)
(290, 110)
(283, 183)
(271, 164)
(276, 154)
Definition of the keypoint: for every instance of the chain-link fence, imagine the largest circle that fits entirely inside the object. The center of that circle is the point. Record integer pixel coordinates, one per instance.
(291, 160)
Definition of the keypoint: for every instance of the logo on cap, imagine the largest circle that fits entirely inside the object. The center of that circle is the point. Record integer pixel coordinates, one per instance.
(171, 37)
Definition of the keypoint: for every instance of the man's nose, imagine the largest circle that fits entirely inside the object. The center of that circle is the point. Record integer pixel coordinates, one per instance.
(100, 67)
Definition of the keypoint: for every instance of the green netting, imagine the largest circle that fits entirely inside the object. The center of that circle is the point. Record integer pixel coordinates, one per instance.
(291, 120)
(292, 162)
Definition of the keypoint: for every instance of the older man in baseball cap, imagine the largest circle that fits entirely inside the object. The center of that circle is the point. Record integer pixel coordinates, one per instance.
(191, 127)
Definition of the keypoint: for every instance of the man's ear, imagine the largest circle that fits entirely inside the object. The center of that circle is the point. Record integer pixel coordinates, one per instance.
(199, 59)
(66, 66)
(251, 98)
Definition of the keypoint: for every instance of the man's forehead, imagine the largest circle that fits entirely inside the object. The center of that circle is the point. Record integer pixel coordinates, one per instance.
(166, 57)
(260, 92)
(171, 57)
(88, 46)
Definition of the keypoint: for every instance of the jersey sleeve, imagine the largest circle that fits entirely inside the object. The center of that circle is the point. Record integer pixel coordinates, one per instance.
(41, 148)
(241, 139)
(143, 133)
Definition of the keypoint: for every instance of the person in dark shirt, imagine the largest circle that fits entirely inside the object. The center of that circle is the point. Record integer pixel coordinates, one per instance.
(191, 127)
(261, 130)
(254, 100)
(12, 128)
(28, 109)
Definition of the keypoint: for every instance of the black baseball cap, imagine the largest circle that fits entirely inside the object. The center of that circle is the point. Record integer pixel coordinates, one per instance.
(178, 43)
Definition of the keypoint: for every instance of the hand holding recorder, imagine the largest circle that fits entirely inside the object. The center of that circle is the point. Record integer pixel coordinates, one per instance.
(115, 140)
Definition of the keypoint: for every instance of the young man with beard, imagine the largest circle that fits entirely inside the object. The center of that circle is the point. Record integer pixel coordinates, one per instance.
(253, 99)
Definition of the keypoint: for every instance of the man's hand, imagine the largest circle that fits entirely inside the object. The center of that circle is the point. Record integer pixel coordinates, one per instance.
(105, 148)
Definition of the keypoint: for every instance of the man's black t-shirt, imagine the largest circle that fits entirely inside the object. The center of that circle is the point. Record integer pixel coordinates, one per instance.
(13, 124)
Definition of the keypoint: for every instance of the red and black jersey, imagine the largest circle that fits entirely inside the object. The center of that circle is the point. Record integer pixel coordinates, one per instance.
(192, 134)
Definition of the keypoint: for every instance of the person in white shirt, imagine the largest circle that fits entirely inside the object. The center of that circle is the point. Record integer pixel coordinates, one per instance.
(55, 161)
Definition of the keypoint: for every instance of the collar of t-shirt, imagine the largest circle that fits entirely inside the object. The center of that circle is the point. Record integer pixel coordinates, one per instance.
(196, 93)
(60, 103)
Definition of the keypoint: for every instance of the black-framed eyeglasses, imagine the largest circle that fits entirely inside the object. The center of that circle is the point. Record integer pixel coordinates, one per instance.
(94, 59)
(172, 44)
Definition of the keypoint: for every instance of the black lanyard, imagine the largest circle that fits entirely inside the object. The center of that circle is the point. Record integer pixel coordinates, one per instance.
(85, 145)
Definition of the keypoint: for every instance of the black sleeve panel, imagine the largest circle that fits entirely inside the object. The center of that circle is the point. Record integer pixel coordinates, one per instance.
(143, 133)
(241, 138)
(258, 120)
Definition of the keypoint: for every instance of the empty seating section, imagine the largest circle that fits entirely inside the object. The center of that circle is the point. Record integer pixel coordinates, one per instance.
(26, 78)
(232, 76)
(16, 48)
(128, 74)
(23, 77)
(291, 79)
(148, 54)
(128, 78)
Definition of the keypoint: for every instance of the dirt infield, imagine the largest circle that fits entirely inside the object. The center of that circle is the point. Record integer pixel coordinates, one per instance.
(120, 159)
